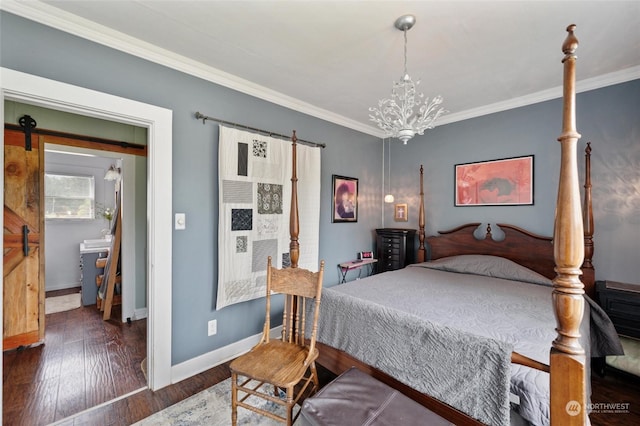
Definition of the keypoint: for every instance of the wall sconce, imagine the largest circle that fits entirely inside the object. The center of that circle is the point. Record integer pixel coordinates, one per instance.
(113, 173)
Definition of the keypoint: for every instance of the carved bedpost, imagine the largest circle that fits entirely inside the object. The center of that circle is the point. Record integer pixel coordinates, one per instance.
(588, 272)
(294, 223)
(567, 360)
(421, 250)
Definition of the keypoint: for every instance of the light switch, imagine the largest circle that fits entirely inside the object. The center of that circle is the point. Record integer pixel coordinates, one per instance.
(181, 221)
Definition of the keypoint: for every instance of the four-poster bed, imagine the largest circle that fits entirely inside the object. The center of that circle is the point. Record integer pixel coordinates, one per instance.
(557, 390)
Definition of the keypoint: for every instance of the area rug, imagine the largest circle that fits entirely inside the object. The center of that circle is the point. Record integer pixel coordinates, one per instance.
(212, 407)
(57, 304)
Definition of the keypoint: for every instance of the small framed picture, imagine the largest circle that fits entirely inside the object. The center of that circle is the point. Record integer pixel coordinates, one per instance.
(400, 213)
(345, 199)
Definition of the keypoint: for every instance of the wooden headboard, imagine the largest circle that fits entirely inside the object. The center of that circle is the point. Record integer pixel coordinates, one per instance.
(536, 252)
(527, 249)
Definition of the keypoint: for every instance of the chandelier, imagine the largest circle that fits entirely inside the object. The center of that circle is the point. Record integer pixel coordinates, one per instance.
(396, 116)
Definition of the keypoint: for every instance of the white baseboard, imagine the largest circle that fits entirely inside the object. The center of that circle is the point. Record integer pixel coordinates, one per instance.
(61, 286)
(141, 313)
(211, 359)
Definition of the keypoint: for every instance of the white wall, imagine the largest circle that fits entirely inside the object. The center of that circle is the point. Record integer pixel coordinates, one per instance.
(63, 236)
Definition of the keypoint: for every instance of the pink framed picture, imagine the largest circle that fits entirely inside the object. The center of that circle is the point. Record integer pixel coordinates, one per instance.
(345, 199)
(505, 182)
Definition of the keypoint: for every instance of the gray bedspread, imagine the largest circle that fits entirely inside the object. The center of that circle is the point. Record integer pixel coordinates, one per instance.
(408, 324)
(422, 354)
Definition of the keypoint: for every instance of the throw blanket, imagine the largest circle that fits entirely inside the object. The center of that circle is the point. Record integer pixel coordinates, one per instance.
(423, 355)
(604, 337)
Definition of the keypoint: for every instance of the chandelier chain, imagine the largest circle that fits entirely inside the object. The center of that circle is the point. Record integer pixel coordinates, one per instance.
(405, 52)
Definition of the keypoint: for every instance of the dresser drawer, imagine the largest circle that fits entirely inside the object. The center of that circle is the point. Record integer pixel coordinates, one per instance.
(392, 265)
(384, 257)
(390, 250)
(391, 241)
(623, 308)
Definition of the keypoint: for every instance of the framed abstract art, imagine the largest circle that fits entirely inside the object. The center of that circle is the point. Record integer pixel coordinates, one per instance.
(507, 181)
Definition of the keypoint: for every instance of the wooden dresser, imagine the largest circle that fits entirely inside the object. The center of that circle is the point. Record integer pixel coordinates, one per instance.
(395, 248)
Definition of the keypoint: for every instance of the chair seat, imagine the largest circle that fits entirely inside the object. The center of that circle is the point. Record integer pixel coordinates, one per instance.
(276, 362)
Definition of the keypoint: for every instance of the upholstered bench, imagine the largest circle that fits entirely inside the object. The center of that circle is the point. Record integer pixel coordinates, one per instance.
(355, 399)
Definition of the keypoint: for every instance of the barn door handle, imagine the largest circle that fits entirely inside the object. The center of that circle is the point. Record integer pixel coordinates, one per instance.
(25, 240)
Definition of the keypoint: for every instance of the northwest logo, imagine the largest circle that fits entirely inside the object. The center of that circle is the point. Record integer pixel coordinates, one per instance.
(573, 408)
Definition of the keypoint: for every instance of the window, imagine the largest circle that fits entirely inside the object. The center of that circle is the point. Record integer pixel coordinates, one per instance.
(69, 197)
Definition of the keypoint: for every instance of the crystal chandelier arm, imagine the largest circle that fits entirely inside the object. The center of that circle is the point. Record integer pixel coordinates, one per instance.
(387, 116)
(429, 113)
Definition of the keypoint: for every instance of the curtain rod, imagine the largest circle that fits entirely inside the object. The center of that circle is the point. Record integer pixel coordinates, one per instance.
(204, 119)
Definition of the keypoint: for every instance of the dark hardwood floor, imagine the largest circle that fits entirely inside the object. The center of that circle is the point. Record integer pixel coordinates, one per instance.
(612, 388)
(86, 362)
(83, 362)
(617, 388)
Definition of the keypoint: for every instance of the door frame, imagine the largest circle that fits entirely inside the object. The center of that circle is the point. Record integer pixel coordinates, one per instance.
(34, 90)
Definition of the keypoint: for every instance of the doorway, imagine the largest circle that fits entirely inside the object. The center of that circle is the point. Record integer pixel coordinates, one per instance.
(64, 156)
(39, 91)
(88, 361)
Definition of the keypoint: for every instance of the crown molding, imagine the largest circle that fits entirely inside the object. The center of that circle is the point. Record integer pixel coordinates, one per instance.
(586, 85)
(72, 24)
(75, 25)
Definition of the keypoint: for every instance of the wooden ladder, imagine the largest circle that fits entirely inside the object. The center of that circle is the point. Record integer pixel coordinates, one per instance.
(109, 298)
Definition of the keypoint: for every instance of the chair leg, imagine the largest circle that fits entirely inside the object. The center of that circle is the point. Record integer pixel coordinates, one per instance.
(314, 375)
(290, 405)
(234, 399)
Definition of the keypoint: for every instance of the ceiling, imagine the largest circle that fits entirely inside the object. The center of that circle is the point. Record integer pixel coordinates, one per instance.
(335, 59)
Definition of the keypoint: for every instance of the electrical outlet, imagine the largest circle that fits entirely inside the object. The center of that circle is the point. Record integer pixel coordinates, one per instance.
(212, 327)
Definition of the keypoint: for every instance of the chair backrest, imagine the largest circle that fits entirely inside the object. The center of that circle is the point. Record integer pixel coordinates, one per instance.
(302, 290)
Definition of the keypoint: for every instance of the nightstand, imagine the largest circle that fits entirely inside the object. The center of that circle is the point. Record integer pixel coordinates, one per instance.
(621, 301)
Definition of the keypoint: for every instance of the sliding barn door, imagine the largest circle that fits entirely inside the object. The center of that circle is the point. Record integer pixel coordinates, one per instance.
(23, 246)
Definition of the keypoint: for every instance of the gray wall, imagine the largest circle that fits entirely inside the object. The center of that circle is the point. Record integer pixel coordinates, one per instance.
(606, 117)
(59, 56)
(531, 130)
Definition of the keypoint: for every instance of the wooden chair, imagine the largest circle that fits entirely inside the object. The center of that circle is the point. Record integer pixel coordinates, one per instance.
(287, 363)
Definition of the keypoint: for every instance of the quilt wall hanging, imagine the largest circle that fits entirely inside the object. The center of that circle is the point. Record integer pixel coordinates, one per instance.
(254, 187)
